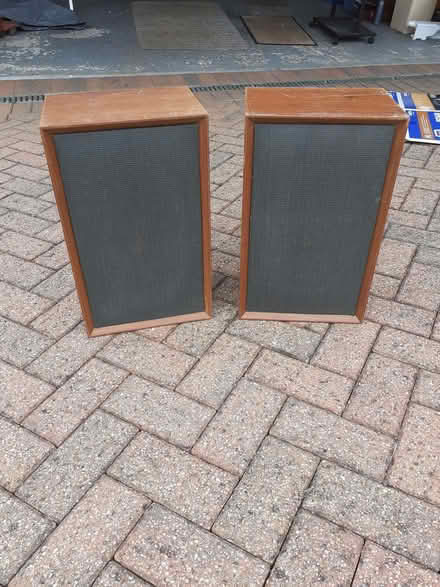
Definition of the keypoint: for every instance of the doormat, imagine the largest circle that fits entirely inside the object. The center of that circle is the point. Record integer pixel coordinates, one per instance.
(185, 25)
(277, 30)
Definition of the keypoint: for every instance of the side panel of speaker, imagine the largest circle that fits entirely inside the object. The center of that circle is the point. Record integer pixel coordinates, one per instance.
(313, 211)
(134, 205)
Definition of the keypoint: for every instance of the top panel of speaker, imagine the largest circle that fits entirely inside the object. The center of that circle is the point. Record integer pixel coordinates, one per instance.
(124, 108)
(343, 104)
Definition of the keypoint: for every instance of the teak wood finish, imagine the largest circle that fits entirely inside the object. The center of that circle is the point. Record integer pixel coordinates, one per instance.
(92, 111)
(319, 106)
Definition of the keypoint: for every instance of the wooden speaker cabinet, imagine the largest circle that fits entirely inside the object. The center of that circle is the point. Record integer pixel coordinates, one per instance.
(320, 166)
(131, 180)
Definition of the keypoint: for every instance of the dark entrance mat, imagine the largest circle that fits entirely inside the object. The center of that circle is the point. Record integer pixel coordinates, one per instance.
(277, 30)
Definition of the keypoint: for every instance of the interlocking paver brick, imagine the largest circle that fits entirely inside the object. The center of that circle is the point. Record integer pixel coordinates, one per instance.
(427, 389)
(408, 219)
(4, 163)
(387, 516)
(174, 478)
(421, 152)
(224, 172)
(416, 468)
(67, 355)
(226, 242)
(421, 201)
(226, 264)
(57, 285)
(22, 530)
(65, 476)
(4, 193)
(20, 453)
(434, 225)
(234, 209)
(382, 568)
(426, 255)
(29, 147)
(381, 396)
(21, 306)
(26, 187)
(401, 316)
(433, 161)
(421, 287)
(27, 135)
(333, 437)
(228, 140)
(27, 158)
(281, 336)
(316, 552)
(55, 258)
(60, 318)
(53, 233)
(24, 204)
(217, 205)
(415, 172)
(436, 329)
(159, 411)
(114, 575)
(167, 549)
(218, 157)
(413, 235)
(303, 381)
(19, 392)
(409, 348)
(79, 548)
(230, 190)
(195, 337)
(384, 286)
(403, 185)
(30, 225)
(408, 162)
(394, 257)
(72, 403)
(24, 274)
(233, 436)
(216, 278)
(396, 201)
(346, 347)
(148, 358)
(219, 369)
(159, 333)
(51, 213)
(427, 183)
(20, 345)
(228, 291)
(22, 245)
(26, 172)
(5, 151)
(259, 512)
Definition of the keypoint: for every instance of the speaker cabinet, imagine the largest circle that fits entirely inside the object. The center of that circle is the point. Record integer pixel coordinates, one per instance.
(131, 180)
(320, 166)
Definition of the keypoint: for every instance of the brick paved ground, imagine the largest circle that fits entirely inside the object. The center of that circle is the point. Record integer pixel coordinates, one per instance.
(221, 452)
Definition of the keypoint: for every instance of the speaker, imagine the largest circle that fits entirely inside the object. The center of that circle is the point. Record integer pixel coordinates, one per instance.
(320, 166)
(130, 172)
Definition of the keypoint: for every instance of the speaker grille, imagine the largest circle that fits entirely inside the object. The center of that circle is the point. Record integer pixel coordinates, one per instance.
(315, 195)
(134, 202)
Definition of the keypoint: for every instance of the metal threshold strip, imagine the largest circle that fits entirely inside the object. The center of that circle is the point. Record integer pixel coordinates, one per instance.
(349, 82)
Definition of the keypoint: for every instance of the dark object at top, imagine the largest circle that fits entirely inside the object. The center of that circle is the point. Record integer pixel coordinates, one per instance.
(435, 99)
(39, 14)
